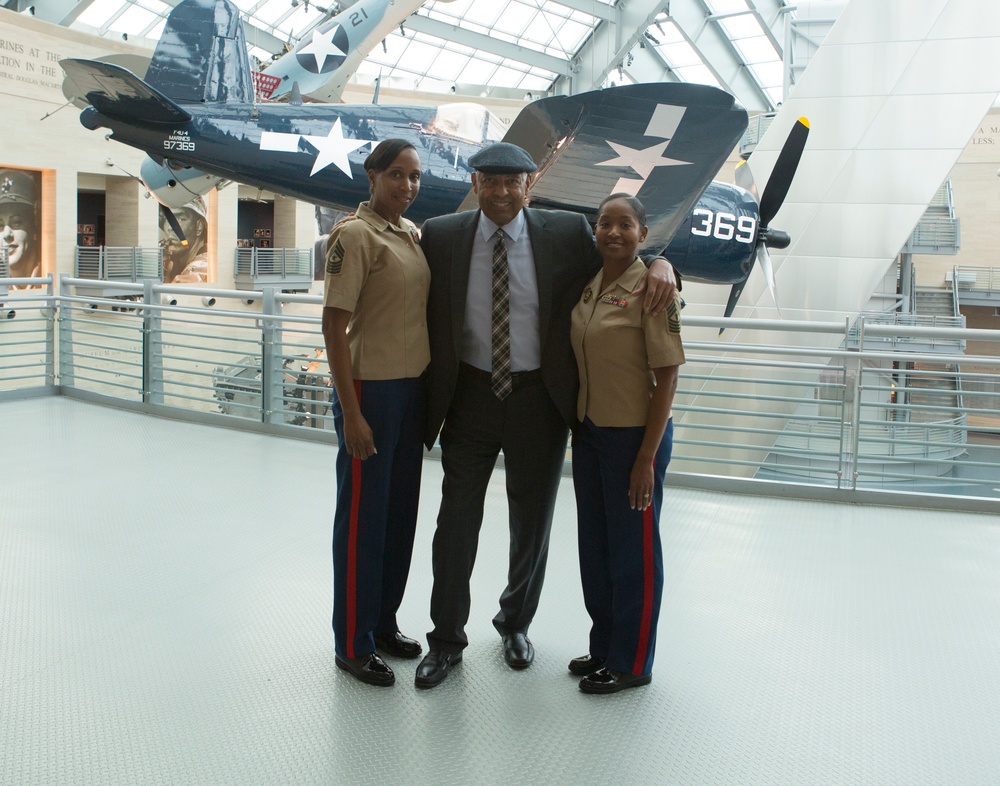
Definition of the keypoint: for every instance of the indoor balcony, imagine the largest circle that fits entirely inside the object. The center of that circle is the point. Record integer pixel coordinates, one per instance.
(287, 269)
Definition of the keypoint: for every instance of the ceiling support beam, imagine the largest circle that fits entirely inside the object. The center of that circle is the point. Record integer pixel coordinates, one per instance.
(443, 30)
(596, 8)
(694, 19)
(610, 46)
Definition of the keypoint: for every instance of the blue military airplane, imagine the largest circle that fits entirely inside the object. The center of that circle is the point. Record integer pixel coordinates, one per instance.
(195, 114)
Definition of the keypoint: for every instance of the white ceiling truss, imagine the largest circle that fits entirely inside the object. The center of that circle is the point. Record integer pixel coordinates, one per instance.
(513, 47)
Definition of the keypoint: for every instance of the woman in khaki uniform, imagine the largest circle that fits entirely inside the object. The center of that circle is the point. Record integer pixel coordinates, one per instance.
(375, 328)
(628, 362)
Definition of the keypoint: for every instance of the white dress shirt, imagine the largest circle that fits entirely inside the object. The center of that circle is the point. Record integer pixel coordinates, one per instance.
(477, 333)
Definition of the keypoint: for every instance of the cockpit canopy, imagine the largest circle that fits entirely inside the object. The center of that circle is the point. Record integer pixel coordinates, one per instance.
(469, 122)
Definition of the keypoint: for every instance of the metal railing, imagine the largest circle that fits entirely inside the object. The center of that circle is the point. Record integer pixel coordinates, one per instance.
(27, 334)
(899, 338)
(935, 232)
(978, 279)
(119, 263)
(280, 262)
(798, 403)
(259, 364)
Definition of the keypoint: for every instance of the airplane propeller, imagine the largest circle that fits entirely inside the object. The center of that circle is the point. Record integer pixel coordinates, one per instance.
(768, 205)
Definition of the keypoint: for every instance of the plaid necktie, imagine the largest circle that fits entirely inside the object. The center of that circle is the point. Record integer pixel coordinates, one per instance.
(501, 383)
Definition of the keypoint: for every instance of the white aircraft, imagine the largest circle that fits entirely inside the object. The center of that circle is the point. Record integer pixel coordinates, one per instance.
(324, 60)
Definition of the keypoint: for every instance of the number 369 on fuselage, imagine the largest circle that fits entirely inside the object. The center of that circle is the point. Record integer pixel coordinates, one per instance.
(717, 241)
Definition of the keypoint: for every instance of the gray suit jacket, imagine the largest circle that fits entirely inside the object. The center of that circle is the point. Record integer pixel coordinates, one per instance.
(566, 258)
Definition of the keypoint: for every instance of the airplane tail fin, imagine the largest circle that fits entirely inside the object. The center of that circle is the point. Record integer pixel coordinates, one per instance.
(202, 55)
(117, 92)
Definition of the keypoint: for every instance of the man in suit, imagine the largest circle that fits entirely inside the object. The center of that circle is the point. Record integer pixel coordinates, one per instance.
(502, 377)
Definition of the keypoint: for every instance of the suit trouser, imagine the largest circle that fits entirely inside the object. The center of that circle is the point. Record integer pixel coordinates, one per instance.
(376, 516)
(621, 562)
(532, 434)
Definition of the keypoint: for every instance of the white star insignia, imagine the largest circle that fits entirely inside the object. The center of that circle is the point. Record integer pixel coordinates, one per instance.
(663, 123)
(321, 47)
(334, 149)
(330, 149)
(642, 161)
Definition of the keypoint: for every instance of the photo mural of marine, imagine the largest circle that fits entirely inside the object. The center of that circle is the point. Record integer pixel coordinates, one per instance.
(19, 222)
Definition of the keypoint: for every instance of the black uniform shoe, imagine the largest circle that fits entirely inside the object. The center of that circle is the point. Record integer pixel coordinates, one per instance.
(608, 681)
(434, 667)
(517, 650)
(370, 669)
(585, 664)
(397, 644)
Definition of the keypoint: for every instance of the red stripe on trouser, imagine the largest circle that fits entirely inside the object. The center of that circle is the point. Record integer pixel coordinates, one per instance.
(352, 545)
(647, 591)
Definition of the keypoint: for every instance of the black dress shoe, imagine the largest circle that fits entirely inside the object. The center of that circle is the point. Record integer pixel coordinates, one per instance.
(397, 644)
(585, 664)
(434, 667)
(370, 669)
(608, 681)
(517, 650)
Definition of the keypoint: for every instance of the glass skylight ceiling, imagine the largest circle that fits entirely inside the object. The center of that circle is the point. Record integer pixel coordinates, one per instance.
(744, 30)
(418, 60)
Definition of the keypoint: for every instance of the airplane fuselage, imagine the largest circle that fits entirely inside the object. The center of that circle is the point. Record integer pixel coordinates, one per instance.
(310, 152)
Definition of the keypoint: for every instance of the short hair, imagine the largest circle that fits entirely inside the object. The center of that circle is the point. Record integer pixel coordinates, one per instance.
(385, 152)
(633, 202)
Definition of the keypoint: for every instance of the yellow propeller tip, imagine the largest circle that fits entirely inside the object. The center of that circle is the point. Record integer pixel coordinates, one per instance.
(804, 121)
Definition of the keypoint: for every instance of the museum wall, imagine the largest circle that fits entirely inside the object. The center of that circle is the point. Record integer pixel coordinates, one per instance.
(43, 134)
(976, 190)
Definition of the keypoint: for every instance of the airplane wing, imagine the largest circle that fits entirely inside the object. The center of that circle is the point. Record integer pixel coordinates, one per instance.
(117, 92)
(660, 142)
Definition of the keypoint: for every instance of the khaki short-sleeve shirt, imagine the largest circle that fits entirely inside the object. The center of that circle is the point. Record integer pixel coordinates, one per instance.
(378, 272)
(616, 344)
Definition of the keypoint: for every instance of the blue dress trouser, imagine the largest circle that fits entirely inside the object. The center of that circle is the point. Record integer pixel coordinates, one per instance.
(376, 515)
(621, 562)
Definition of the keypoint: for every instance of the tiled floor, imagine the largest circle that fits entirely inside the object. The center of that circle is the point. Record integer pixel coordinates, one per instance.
(164, 592)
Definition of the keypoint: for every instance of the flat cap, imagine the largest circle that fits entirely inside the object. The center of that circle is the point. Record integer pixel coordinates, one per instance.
(502, 158)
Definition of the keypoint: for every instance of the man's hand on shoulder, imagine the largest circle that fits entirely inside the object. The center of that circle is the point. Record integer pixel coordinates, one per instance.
(659, 284)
